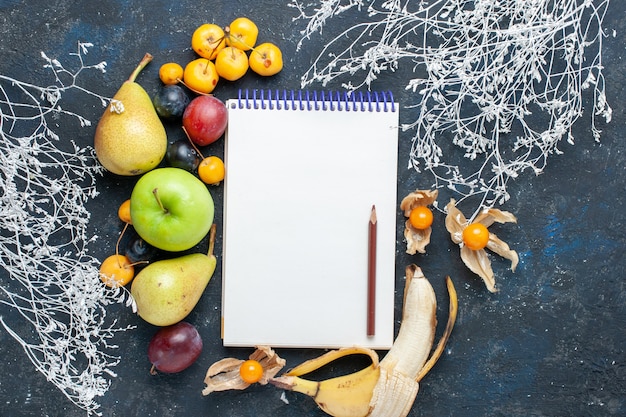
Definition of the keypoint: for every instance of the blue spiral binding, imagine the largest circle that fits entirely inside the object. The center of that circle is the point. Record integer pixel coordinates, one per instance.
(371, 101)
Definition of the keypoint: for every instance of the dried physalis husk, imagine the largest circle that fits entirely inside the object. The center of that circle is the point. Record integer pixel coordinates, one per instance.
(224, 375)
(477, 260)
(417, 239)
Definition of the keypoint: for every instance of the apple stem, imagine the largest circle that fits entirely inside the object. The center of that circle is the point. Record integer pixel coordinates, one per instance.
(156, 195)
(142, 64)
(212, 240)
(153, 370)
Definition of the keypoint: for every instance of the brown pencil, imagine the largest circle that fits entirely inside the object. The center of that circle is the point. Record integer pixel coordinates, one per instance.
(371, 275)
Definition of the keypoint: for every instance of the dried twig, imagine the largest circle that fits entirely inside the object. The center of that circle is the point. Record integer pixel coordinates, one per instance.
(497, 82)
(53, 283)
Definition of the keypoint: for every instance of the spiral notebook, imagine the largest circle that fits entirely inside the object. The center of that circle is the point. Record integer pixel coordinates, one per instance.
(303, 172)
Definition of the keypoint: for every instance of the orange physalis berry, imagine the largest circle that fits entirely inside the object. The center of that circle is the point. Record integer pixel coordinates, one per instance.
(476, 236)
(421, 217)
(251, 371)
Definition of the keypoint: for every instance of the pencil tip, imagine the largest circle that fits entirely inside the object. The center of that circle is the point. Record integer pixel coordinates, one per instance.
(373, 215)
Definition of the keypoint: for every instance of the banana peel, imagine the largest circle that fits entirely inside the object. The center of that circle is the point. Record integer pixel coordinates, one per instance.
(387, 388)
(341, 396)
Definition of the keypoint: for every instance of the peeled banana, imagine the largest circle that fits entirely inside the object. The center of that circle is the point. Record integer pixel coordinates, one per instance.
(387, 388)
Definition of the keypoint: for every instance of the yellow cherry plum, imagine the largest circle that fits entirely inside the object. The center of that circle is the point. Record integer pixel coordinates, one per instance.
(266, 59)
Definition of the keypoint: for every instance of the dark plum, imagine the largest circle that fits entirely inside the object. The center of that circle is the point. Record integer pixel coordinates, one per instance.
(138, 250)
(170, 102)
(174, 348)
(182, 154)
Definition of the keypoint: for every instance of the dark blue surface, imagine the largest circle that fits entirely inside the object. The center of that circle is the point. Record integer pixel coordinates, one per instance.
(551, 343)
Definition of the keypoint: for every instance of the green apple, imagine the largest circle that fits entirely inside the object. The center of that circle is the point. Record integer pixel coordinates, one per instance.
(171, 209)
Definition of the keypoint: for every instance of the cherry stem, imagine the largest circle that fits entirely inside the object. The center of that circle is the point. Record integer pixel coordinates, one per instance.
(206, 68)
(192, 144)
(142, 64)
(230, 37)
(156, 196)
(200, 93)
(117, 244)
(233, 38)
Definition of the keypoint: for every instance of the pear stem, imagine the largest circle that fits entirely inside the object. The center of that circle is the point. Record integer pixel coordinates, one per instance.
(212, 240)
(142, 64)
(156, 195)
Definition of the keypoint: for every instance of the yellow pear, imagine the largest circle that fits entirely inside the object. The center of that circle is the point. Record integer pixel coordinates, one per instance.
(166, 291)
(130, 138)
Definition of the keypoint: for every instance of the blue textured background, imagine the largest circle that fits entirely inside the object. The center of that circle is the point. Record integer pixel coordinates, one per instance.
(551, 343)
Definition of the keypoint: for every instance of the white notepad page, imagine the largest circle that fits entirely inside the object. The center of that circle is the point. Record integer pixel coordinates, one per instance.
(299, 189)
